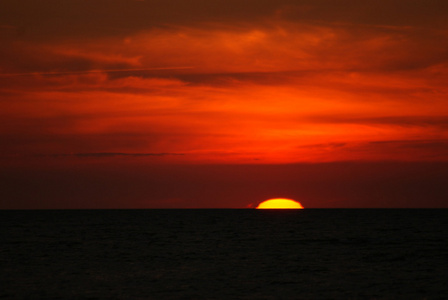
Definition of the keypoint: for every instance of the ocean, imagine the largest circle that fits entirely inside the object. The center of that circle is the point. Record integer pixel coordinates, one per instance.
(224, 254)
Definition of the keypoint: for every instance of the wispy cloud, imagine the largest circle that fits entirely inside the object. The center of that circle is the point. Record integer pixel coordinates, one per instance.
(133, 71)
(402, 121)
(106, 154)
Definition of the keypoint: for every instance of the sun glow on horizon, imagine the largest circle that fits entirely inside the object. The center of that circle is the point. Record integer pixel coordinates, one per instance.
(280, 203)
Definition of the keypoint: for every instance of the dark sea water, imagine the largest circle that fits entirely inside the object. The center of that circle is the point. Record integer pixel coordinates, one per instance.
(224, 254)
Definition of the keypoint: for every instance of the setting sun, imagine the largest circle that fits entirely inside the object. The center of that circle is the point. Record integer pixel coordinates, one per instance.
(280, 203)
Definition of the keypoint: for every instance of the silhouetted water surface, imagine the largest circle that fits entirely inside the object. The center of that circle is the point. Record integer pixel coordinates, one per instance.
(224, 254)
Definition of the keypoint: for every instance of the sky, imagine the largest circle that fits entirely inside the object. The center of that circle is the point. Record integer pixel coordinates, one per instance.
(223, 104)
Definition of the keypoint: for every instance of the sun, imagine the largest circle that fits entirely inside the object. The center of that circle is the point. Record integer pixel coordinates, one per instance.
(279, 203)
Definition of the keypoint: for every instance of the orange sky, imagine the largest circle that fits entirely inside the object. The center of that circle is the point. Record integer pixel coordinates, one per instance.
(223, 81)
(267, 89)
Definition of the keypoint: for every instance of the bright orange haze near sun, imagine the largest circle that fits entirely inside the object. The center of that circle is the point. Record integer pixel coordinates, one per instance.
(279, 203)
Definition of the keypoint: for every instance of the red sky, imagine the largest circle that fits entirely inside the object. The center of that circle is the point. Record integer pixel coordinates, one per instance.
(103, 88)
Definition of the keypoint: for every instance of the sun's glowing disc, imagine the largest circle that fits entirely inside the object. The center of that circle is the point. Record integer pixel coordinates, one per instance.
(279, 203)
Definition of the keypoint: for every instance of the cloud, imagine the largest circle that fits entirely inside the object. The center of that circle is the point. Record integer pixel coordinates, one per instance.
(415, 144)
(289, 121)
(326, 145)
(265, 38)
(23, 58)
(379, 13)
(104, 71)
(51, 19)
(404, 150)
(109, 154)
(266, 48)
(378, 150)
(402, 121)
(279, 81)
